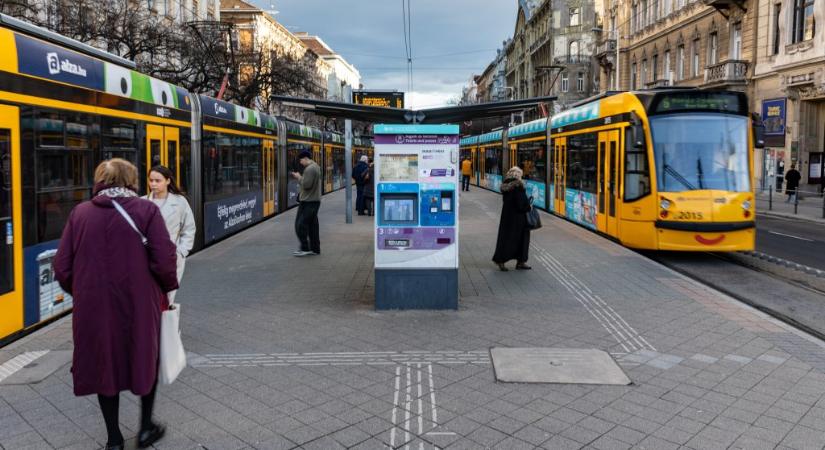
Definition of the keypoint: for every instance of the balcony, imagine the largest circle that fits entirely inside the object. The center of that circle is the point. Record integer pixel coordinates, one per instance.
(726, 5)
(539, 43)
(572, 59)
(606, 46)
(660, 83)
(726, 73)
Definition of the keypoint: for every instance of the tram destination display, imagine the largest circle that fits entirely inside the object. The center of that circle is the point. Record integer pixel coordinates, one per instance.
(384, 99)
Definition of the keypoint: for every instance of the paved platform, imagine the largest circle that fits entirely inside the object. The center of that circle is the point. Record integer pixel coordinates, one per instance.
(288, 352)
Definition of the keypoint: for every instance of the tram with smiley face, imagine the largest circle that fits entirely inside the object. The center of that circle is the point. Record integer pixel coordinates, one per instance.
(663, 169)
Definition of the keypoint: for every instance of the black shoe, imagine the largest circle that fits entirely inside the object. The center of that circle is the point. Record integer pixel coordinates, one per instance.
(502, 267)
(522, 266)
(118, 446)
(150, 436)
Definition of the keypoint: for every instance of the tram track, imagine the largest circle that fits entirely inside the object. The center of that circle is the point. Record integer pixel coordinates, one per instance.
(797, 304)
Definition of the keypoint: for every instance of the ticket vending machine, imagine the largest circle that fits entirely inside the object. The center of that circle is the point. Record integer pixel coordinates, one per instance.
(416, 216)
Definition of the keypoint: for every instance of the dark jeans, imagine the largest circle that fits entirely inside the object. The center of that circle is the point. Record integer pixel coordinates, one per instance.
(465, 182)
(360, 205)
(306, 226)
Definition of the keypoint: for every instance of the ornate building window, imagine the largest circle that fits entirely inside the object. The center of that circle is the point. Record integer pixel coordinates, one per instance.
(580, 82)
(633, 76)
(666, 74)
(654, 72)
(777, 14)
(565, 82)
(736, 41)
(634, 18)
(803, 26)
(695, 59)
(575, 16)
(713, 48)
(680, 62)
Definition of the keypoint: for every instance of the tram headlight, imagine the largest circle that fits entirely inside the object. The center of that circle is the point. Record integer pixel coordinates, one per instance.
(664, 204)
(746, 205)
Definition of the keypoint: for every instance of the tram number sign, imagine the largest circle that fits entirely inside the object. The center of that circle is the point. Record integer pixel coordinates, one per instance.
(690, 215)
(388, 99)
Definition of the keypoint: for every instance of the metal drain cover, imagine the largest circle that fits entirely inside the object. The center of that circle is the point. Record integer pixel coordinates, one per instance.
(556, 365)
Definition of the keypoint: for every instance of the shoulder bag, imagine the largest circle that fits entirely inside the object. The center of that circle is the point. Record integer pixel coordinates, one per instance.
(172, 354)
(533, 218)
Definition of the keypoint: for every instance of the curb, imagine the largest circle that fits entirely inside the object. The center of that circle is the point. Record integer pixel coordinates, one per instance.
(781, 215)
(801, 273)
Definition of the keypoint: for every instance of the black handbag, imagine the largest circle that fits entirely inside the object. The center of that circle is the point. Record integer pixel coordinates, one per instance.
(533, 218)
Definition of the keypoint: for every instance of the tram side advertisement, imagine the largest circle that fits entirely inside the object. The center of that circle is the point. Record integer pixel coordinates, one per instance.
(226, 216)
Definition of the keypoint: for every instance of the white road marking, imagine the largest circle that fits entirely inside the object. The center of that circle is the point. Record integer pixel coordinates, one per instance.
(627, 336)
(11, 366)
(395, 405)
(432, 396)
(342, 359)
(407, 408)
(790, 236)
(420, 404)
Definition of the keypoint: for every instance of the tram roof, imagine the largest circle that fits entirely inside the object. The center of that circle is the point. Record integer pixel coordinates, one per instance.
(491, 136)
(468, 140)
(532, 127)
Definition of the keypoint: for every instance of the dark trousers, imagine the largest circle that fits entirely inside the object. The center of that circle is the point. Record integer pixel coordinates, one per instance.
(110, 407)
(306, 226)
(360, 205)
(465, 182)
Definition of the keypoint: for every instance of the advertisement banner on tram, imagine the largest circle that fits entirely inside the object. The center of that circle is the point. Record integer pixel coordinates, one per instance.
(536, 190)
(225, 216)
(580, 207)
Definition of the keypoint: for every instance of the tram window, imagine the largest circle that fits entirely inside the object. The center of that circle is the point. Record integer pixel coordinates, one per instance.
(77, 131)
(185, 181)
(50, 127)
(118, 134)
(63, 169)
(581, 162)
(636, 171)
(232, 165)
(53, 210)
(531, 159)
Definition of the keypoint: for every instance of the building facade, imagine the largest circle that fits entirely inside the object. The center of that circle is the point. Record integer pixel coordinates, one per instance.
(789, 94)
(552, 49)
(343, 77)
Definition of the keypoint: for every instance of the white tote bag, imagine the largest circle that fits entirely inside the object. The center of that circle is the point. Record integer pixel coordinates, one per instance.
(172, 354)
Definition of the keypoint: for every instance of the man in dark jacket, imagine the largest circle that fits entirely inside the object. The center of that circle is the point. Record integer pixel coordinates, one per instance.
(359, 173)
(306, 220)
(792, 178)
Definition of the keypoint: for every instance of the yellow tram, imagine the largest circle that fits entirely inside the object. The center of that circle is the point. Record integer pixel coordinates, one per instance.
(661, 169)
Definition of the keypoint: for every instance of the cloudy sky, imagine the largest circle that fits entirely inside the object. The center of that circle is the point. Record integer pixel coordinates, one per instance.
(451, 39)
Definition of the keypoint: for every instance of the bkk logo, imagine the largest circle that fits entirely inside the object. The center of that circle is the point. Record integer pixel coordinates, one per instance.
(56, 66)
(220, 109)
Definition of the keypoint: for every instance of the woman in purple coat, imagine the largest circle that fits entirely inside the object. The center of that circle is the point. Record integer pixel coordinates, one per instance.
(119, 288)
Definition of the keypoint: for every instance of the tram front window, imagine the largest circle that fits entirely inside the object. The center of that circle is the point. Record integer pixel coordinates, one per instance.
(701, 151)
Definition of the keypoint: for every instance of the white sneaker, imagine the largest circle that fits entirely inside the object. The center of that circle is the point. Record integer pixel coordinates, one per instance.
(302, 253)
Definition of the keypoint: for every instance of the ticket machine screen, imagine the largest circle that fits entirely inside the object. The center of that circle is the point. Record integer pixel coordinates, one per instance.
(399, 209)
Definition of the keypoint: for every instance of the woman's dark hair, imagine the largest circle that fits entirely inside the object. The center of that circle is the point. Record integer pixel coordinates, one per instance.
(167, 173)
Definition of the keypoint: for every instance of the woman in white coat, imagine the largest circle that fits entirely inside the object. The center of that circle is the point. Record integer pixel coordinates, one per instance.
(180, 222)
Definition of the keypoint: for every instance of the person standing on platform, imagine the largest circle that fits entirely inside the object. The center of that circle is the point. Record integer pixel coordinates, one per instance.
(359, 173)
(176, 212)
(118, 281)
(466, 173)
(369, 189)
(513, 233)
(309, 198)
(792, 178)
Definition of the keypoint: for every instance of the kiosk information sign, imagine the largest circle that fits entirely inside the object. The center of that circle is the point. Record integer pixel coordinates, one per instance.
(416, 219)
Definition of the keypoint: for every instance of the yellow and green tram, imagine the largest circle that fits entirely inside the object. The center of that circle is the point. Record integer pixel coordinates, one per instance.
(665, 169)
(64, 107)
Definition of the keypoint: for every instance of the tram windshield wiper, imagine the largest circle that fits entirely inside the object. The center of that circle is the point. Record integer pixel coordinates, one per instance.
(678, 177)
(699, 173)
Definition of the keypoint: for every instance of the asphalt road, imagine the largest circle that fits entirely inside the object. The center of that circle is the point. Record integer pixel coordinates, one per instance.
(795, 240)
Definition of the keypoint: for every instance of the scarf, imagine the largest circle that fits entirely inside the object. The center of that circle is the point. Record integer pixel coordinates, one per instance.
(117, 192)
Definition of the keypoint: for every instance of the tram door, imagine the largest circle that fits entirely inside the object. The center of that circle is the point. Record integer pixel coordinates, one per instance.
(612, 180)
(269, 177)
(474, 162)
(11, 252)
(560, 174)
(163, 147)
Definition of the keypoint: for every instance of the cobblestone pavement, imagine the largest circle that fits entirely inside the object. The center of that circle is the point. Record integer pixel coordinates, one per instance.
(288, 352)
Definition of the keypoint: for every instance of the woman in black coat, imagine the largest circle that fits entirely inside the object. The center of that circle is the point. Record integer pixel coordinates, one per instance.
(513, 233)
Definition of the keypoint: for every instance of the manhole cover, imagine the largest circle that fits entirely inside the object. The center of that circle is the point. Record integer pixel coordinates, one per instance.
(556, 365)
